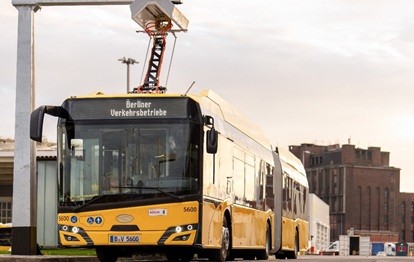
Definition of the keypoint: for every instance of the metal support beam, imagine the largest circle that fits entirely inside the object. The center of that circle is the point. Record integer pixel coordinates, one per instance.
(24, 173)
(70, 2)
(77, 2)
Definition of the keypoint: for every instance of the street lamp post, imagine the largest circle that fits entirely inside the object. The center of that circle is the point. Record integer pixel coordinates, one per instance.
(128, 61)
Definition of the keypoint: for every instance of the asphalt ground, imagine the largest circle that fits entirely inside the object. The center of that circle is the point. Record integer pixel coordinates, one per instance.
(14, 258)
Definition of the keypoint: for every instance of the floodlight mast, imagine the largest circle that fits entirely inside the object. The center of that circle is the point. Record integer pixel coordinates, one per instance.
(157, 18)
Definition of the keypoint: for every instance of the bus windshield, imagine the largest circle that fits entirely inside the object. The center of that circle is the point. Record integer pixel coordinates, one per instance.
(144, 160)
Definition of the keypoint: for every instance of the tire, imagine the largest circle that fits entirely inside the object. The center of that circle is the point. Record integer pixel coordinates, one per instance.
(294, 254)
(220, 255)
(264, 254)
(106, 254)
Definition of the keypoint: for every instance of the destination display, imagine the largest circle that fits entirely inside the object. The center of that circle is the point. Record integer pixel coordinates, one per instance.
(127, 108)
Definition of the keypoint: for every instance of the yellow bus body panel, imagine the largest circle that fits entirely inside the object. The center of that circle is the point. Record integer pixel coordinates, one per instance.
(153, 222)
(303, 229)
(289, 227)
(249, 227)
(212, 221)
(288, 234)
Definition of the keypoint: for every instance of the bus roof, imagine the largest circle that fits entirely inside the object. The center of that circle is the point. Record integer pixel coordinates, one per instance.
(232, 116)
(207, 97)
(292, 166)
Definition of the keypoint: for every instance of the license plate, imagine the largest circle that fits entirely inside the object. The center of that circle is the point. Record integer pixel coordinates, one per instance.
(124, 239)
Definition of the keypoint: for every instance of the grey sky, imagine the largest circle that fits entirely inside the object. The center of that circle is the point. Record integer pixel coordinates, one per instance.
(317, 71)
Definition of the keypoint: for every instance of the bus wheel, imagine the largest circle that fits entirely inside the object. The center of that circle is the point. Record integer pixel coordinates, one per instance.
(294, 253)
(221, 254)
(106, 254)
(264, 254)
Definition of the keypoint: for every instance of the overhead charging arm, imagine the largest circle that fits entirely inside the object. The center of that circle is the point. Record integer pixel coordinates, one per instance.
(157, 18)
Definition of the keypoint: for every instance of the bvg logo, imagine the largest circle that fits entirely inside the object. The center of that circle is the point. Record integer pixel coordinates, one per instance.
(124, 218)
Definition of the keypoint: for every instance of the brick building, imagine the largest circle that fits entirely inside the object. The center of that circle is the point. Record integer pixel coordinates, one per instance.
(361, 189)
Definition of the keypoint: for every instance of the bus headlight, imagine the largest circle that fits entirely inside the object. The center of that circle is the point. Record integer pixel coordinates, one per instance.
(75, 230)
(178, 229)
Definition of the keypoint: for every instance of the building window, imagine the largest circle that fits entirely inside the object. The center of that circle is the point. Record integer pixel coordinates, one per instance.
(385, 219)
(5, 210)
(385, 206)
(386, 193)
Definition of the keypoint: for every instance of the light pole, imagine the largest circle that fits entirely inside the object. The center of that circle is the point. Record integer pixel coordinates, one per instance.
(128, 61)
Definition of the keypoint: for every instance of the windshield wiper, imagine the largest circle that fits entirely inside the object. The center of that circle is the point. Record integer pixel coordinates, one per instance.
(97, 198)
(154, 188)
(93, 200)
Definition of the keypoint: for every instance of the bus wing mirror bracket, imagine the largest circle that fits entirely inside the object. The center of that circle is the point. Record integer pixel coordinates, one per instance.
(212, 135)
(38, 115)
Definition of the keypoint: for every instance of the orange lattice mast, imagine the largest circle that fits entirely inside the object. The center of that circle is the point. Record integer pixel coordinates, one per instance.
(157, 18)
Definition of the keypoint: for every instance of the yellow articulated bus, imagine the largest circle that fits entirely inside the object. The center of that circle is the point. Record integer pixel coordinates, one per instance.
(173, 174)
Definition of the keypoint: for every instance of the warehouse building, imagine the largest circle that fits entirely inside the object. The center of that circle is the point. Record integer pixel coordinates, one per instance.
(361, 189)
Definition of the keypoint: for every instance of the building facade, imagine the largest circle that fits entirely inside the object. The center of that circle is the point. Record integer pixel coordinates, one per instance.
(6, 187)
(318, 224)
(46, 190)
(361, 189)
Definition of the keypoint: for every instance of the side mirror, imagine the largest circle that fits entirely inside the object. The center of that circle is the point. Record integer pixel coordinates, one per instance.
(38, 115)
(36, 123)
(212, 141)
(212, 136)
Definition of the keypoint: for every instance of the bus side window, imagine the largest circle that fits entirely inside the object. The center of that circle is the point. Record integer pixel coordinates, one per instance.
(286, 193)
